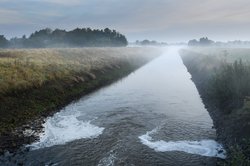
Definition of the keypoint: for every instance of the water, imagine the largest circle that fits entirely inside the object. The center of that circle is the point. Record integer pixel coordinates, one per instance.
(152, 117)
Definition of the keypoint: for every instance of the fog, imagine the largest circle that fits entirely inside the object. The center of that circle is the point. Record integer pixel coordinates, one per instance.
(124, 82)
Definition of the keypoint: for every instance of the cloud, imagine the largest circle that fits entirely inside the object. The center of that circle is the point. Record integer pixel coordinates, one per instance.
(138, 18)
(62, 2)
(11, 17)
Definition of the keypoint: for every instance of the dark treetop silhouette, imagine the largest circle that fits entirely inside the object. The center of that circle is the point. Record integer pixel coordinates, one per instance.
(85, 37)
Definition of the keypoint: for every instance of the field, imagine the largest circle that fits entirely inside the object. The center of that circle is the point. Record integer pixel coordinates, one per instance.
(228, 54)
(23, 69)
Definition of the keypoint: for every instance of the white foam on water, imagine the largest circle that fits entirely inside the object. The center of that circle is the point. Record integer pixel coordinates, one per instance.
(63, 128)
(209, 148)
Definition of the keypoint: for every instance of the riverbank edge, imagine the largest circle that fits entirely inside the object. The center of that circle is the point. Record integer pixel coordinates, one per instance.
(51, 98)
(223, 123)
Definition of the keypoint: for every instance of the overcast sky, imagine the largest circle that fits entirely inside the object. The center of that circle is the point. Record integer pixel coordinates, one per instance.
(163, 20)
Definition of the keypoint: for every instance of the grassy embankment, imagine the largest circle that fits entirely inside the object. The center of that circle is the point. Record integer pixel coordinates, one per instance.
(36, 82)
(222, 77)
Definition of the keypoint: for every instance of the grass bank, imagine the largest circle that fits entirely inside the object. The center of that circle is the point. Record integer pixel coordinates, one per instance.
(34, 83)
(222, 76)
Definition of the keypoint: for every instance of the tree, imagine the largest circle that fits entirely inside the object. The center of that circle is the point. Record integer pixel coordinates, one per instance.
(85, 37)
(107, 30)
(193, 42)
(204, 41)
(3, 42)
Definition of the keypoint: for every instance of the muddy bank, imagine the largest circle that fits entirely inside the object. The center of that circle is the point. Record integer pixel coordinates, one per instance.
(22, 111)
(231, 120)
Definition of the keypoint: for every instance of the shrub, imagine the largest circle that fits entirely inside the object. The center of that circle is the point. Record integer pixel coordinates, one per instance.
(230, 85)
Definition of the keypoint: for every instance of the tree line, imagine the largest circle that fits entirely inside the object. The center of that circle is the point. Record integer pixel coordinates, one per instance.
(204, 41)
(48, 38)
(150, 43)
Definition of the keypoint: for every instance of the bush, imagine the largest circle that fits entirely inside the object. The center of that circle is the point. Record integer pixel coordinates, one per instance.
(239, 156)
(230, 85)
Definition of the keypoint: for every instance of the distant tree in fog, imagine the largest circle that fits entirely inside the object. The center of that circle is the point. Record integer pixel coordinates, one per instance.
(148, 42)
(193, 42)
(204, 41)
(3, 42)
(145, 42)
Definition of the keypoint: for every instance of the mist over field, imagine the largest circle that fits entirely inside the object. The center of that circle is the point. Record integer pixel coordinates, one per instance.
(124, 82)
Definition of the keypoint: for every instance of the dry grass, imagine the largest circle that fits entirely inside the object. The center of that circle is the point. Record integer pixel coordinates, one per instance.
(25, 68)
(228, 54)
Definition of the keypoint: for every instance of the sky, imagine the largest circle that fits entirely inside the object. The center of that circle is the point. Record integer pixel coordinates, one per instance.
(162, 20)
